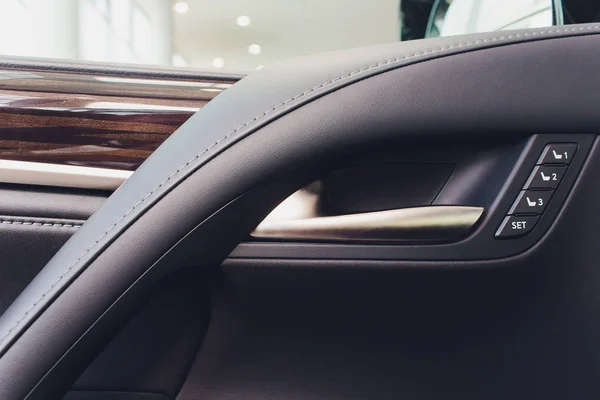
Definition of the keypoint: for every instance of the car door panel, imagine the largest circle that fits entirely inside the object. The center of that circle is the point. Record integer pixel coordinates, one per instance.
(299, 319)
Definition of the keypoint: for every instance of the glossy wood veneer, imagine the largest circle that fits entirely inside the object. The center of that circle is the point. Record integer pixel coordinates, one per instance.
(94, 120)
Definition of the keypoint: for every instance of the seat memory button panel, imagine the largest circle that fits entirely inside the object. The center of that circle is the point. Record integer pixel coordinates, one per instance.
(537, 192)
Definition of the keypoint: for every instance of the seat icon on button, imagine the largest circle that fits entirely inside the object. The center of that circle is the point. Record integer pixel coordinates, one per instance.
(547, 178)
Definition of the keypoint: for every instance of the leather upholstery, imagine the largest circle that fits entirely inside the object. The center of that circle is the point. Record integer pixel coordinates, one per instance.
(299, 112)
(26, 245)
(34, 223)
(50, 202)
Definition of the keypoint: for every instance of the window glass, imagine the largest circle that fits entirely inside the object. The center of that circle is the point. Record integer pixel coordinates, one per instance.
(470, 16)
(245, 35)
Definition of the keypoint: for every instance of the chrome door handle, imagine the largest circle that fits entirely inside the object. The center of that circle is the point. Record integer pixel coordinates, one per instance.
(419, 224)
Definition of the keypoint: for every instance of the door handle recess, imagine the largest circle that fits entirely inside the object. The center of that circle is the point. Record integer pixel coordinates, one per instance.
(410, 225)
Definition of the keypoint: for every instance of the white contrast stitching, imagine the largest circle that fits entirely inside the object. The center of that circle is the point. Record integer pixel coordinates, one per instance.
(36, 223)
(369, 68)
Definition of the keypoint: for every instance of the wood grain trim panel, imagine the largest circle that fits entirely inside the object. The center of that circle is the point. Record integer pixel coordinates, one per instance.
(104, 121)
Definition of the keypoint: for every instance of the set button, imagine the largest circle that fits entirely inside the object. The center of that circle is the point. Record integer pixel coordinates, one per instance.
(516, 225)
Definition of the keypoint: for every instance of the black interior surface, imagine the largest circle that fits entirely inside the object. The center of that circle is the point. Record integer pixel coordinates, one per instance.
(516, 327)
(155, 298)
(35, 221)
(520, 327)
(154, 351)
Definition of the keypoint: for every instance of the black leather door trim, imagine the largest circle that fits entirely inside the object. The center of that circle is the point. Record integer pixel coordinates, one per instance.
(154, 189)
(133, 230)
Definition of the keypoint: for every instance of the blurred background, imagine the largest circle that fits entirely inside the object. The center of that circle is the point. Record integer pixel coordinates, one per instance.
(242, 35)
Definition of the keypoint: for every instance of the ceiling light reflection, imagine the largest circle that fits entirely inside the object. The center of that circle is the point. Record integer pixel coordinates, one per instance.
(182, 7)
(254, 49)
(218, 62)
(243, 20)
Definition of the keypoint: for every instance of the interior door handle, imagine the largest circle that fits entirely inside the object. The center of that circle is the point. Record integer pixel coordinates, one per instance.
(419, 224)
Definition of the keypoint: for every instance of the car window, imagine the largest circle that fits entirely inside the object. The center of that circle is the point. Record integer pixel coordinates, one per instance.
(239, 36)
(470, 16)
